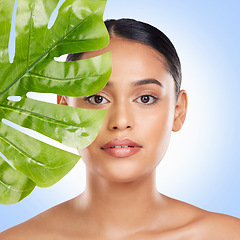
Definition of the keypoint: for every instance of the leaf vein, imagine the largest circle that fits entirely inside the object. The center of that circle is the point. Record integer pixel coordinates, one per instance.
(38, 116)
(44, 54)
(59, 79)
(21, 151)
(37, 162)
(14, 189)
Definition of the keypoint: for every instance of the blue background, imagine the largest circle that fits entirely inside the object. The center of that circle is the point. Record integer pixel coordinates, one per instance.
(202, 164)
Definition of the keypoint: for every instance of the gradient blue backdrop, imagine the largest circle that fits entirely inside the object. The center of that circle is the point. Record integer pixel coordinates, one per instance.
(202, 164)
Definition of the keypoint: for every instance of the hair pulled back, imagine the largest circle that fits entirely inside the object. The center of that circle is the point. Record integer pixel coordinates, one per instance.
(146, 34)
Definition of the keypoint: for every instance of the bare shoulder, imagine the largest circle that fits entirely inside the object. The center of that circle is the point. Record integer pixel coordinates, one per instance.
(197, 223)
(42, 226)
(220, 226)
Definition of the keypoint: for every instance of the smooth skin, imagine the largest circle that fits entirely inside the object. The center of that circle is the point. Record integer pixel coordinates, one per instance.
(121, 200)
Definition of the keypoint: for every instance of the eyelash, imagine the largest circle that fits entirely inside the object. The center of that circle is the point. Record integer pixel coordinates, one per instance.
(87, 99)
(156, 99)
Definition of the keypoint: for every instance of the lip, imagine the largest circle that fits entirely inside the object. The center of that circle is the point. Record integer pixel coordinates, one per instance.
(115, 148)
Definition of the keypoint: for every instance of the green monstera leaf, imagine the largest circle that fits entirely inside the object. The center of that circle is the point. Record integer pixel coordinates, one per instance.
(78, 28)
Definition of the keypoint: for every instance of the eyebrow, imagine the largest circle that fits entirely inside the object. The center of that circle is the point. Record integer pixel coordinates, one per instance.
(141, 82)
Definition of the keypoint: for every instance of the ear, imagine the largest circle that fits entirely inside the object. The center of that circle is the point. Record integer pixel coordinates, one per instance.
(180, 111)
(61, 100)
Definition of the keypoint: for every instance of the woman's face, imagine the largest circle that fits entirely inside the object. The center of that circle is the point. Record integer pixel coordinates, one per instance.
(140, 102)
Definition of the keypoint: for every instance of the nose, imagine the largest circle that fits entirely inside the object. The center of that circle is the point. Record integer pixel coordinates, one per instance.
(120, 116)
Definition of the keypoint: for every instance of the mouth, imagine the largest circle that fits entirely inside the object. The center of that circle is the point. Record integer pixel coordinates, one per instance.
(120, 148)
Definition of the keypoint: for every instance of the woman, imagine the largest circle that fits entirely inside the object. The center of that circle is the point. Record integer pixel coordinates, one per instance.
(144, 105)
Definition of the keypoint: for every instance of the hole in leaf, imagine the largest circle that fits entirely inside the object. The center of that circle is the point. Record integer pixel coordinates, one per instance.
(11, 43)
(14, 98)
(61, 58)
(54, 14)
(43, 97)
(6, 160)
(39, 136)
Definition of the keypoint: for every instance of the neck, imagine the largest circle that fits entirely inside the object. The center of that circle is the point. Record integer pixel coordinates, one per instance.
(129, 206)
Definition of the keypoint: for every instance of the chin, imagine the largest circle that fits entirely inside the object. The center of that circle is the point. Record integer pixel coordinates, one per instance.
(120, 170)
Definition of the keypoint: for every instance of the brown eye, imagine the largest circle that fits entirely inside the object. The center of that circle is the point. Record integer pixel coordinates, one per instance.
(96, 99)
(147, 99)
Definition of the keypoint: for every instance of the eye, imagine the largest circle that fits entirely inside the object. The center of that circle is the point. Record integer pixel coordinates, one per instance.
(95, 99)
(147, 99)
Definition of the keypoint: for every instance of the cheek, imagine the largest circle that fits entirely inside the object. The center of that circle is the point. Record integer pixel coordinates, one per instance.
(157, 131)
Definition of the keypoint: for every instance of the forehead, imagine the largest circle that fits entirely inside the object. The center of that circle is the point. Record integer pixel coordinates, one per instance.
(133, 61)
(123, 47)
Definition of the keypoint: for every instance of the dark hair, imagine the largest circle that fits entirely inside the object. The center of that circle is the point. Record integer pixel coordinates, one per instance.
(145, 33)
